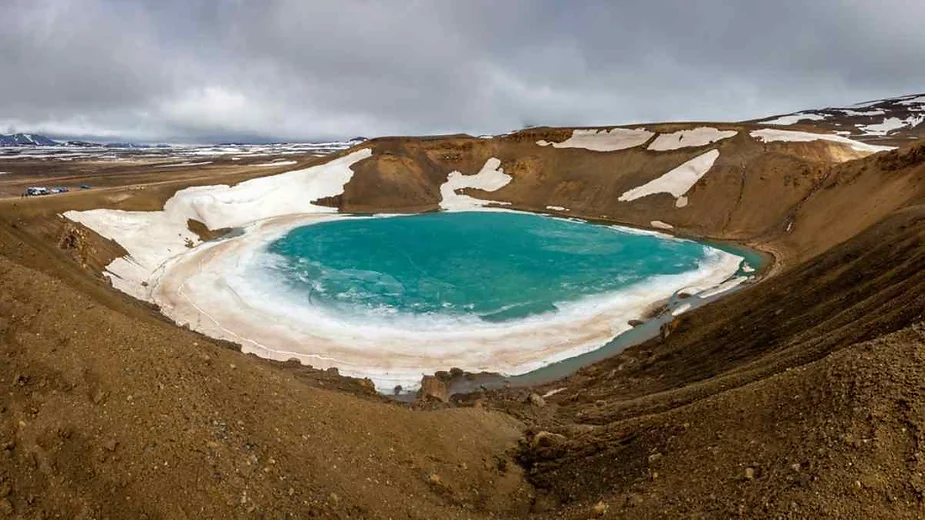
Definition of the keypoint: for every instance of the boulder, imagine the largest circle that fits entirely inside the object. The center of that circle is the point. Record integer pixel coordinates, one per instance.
(434, 388)
(536, 400)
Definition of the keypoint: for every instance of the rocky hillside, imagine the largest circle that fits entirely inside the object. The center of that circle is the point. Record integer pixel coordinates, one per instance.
(737, 181)
(895, 121)
(798, 397)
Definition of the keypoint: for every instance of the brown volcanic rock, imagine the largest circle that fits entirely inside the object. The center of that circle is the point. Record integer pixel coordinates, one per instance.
(433, 388)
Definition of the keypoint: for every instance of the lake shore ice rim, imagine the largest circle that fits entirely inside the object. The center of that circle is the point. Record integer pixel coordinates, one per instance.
(212, 286)
(218, 291)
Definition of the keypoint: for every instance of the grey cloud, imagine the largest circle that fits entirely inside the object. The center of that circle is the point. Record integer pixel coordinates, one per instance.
(289, 69)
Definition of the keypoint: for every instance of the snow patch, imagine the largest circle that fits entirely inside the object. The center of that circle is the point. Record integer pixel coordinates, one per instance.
(701, 136)
(277, 163)
(490, 178)
(153, 238)
(795, 118)
(725, 286)
(553, 392)
(865, 113)
(604, 140)
(918, 100)
(658, 224)
(770, 135)
(677, 182)
(891, 124)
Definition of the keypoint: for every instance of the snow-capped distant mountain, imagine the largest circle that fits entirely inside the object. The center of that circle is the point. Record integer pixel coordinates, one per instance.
(127, 145)
(897, 120)
(26, 140)
(82, 144)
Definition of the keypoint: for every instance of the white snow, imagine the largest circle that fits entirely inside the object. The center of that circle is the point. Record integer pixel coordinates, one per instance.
(726, 286)
(604, 140)
(700, 136)
(277, 163)
(658, 224)
(677, 182)
(557, 208)
(553, 392)
(890, 124)
(152, 238)
(770, 135)
(871, 113)
(490, 178)
(794, 118)
(918, 100)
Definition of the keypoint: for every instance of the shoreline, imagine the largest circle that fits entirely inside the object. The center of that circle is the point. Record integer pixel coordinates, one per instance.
(193, 291)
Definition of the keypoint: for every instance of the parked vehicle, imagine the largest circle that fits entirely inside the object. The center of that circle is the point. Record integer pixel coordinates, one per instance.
(35, 191)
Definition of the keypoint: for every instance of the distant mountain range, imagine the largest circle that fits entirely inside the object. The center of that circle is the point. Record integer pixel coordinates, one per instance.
(26, 140)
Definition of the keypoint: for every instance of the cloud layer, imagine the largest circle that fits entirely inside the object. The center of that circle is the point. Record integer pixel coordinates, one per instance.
(207, 70)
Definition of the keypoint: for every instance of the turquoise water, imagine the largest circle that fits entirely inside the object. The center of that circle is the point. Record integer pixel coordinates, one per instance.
(491, 265)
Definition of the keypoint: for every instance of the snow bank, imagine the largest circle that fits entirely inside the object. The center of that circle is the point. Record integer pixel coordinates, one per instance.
(277, 163)
(680, 309)
(701, 136)
(489, 178)
(917, 100)
(770, 135)
(677, 182)
(794, 119)
(658, 224)
(890, 124)
(727, 285)
(865, 113)
(604, 140)
(152, 238)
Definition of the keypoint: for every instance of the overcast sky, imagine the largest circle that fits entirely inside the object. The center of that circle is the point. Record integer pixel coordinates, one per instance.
(213, 70)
